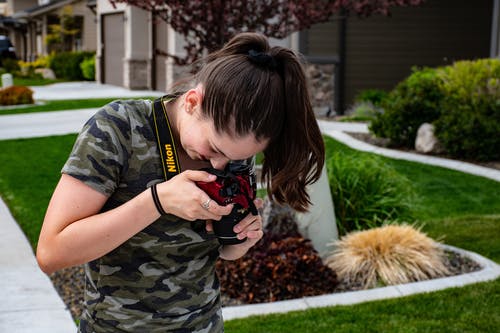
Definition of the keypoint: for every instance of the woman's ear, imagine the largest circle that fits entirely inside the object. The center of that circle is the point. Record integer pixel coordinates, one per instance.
(193, 100)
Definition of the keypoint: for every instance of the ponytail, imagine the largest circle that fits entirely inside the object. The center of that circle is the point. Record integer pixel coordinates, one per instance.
(263, 90)
(296, 157)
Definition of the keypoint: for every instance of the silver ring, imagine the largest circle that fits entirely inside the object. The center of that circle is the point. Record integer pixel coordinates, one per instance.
(206, 204)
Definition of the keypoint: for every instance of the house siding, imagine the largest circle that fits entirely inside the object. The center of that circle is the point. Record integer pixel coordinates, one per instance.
(380, 51)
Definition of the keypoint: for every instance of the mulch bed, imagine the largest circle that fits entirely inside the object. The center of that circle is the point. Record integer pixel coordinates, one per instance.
(69, 283)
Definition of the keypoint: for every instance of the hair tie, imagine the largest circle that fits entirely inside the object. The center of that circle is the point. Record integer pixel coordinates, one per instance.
(262, 59)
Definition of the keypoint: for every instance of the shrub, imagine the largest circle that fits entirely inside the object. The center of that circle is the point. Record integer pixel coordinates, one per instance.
(387, 255)
(88, 68)
(10, 65)
(414, 101)
(374, 96)
(67, 64)
(367, 192)
(15, 95)
(470, 123)
(363, 111)
(28, 67)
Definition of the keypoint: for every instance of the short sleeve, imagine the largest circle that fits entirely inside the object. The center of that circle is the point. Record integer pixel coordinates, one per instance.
(101, 151)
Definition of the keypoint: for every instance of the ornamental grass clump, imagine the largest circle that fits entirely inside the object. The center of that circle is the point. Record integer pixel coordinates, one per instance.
(367, 192)
(388, 255)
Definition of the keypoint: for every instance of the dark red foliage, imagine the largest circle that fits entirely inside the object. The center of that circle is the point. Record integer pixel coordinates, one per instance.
(207, 25)
(276, 269)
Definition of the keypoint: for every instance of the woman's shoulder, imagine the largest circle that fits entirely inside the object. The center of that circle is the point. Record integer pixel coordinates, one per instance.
(126, 109)
(122, 114)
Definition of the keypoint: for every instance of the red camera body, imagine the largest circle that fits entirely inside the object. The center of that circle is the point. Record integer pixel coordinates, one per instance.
(235, 184)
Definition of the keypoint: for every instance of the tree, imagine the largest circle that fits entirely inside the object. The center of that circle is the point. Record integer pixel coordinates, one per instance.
(208, 24)
(61, 36)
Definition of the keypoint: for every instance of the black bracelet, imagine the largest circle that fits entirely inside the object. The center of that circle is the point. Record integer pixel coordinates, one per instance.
(156, 200)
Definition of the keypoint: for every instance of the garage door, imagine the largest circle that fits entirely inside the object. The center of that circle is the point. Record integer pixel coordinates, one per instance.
(114, 49)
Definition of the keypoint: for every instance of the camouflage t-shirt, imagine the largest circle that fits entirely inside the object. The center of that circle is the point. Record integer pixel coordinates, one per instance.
(162, 279)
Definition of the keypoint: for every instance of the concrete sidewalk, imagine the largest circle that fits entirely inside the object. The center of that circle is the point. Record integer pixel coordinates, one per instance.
(86, 89)
(30, 302)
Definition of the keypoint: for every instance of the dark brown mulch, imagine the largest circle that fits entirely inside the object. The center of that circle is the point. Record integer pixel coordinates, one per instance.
(69, 283)
(276, 269)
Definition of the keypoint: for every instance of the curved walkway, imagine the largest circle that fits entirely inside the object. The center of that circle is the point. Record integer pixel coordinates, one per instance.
(332, 129)
(30, 302)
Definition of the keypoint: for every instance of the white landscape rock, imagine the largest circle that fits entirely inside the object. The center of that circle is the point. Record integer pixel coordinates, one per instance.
(426, 141)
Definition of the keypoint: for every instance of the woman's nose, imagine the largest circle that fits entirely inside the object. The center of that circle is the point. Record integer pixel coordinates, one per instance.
(219, 163)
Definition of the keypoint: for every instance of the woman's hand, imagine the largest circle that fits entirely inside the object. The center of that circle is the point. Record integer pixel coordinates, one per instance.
(250, 227)
(181, 197)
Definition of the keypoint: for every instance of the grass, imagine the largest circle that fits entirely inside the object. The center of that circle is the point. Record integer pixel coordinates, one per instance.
(34, 81)
(64, 105)
(474, 308)
(462, 208)
(442, 193)
(28, 174)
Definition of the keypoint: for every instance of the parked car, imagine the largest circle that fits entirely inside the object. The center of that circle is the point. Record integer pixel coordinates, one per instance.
(7, 50)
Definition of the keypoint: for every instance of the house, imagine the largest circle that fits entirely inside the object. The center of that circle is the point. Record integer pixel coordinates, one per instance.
(371, 53)
(380, 51)
(28, 21)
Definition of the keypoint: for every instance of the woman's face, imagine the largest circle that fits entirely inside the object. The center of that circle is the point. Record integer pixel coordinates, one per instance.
(201, 141)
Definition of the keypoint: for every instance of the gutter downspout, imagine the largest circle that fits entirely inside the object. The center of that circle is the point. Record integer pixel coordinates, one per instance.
(154, 33)
(494, 47)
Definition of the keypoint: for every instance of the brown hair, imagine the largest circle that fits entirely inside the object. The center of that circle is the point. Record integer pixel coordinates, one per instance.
(263, 90)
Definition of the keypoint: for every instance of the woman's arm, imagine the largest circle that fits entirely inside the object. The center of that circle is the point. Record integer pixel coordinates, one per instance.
(74, 232)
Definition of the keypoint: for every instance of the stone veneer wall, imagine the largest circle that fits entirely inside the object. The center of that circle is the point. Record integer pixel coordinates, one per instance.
(137, 74)
(320, 84)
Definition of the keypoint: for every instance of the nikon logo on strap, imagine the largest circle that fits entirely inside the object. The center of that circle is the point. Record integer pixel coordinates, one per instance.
(164, 137)
(170, 158)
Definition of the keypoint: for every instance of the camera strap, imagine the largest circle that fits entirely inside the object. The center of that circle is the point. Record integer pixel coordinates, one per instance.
(165, 138)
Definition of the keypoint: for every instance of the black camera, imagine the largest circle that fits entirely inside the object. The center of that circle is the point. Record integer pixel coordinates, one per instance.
(235, 184)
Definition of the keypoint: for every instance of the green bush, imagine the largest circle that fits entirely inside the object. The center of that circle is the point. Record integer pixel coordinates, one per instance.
(470, 123)
(67, 64)
(88, 68)
(367, 192)
(374, 96)
(10, 65)
(414, 101)
(362, 111)
(15, 95)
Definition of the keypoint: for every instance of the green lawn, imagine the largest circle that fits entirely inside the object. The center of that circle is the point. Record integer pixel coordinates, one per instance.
(474, 308)
(65, 105)
(28, 174)
(462, 208)
(23, 81)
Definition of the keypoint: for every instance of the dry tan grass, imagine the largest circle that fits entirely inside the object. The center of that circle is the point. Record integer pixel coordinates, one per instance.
(387, 255)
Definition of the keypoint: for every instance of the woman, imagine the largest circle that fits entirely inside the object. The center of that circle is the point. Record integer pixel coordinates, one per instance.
(147, 244)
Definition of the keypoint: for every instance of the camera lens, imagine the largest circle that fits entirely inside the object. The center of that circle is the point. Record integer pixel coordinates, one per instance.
(223, 229)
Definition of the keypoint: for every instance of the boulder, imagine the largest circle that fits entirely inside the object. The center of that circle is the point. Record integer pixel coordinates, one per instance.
(46, 73)
(426, 142)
